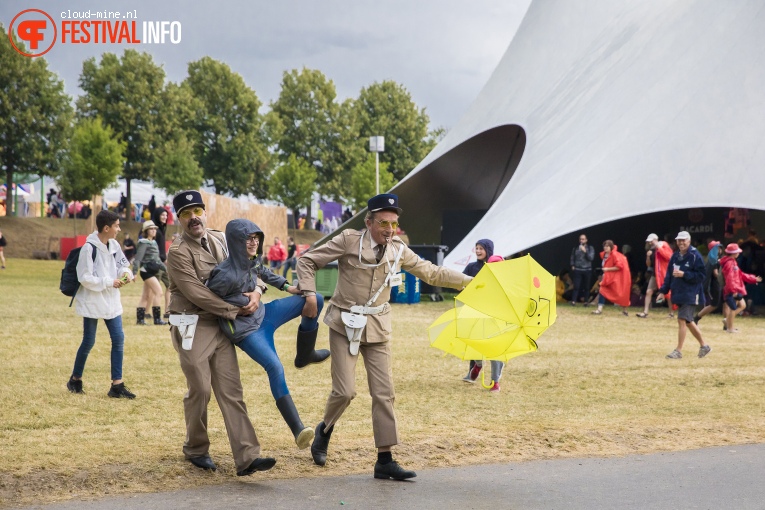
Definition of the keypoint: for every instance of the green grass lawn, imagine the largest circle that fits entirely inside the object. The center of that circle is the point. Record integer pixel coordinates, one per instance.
(599, 385)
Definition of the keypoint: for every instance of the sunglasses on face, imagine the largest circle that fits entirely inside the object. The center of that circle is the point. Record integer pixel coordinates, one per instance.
(387, 224)
(186, 213)
(253, 240)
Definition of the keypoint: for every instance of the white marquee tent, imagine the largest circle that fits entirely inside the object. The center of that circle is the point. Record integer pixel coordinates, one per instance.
(601, 110)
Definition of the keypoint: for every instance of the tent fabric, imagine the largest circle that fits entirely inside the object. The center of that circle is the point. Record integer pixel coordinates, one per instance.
(627, 108)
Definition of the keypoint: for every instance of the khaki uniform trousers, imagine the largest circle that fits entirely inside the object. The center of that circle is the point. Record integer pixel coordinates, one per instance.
(379, 366)
(211, 364)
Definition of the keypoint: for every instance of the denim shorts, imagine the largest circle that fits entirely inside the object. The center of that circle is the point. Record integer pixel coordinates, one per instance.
(732, 300)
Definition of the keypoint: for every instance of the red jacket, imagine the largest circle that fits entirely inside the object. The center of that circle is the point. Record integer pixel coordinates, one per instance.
(663, 254)
(616, 285)
(277, 253)
(734, 277)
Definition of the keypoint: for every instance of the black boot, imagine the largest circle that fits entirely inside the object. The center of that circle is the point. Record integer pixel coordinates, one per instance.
(140, 314)
(303, 435)
(306, 341)
(320, 444)
(156, 311)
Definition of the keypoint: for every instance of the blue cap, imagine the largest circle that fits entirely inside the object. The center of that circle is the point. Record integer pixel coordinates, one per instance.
(384, 202)
(186, 199)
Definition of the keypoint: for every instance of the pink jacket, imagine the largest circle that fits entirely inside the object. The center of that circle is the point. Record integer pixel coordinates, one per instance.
(734, 277)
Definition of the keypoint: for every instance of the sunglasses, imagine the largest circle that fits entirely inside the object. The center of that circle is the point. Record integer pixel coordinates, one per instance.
(252, 240)
(387, 224)
(186, 213)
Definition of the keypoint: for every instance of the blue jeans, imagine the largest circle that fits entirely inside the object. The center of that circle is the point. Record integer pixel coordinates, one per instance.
(289, 264)
(581, 281)
(89, 340)
(259, 345)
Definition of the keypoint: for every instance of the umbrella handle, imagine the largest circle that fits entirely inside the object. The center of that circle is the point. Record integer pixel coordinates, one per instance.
(483, 378)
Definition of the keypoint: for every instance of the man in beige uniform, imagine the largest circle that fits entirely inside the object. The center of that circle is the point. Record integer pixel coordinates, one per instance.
(369, 262)
(210, 362)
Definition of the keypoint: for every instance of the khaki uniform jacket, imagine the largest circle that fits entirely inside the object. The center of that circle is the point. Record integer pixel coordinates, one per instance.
(189, 266)
(356, 284)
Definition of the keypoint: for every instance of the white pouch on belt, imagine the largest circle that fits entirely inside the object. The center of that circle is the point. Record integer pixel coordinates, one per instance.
(354, 326)
(187, 325)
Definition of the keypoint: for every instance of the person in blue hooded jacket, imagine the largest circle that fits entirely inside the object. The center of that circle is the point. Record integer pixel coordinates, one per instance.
(484, 249)
(243, 271)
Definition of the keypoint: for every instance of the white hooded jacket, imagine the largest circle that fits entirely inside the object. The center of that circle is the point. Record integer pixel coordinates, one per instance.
(97, 298)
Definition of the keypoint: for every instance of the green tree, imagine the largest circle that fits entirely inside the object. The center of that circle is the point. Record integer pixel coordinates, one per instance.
(94, 160)
(386, 109)
(35, 115)
(176, 168)
(126, 93)
(364, 182)
(347, 152)
(293, 184)
(228, 132)
(302, 122)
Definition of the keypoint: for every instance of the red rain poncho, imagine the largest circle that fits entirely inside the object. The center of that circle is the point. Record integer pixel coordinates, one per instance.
(616, 285)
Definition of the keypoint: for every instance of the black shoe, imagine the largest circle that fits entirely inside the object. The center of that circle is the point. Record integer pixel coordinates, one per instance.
(156, 312)
(120, 391)
(74, 386)
(140, 316)
(392, 470)
(696, 319)
(259, 464)
(204, 462)
(320, 444)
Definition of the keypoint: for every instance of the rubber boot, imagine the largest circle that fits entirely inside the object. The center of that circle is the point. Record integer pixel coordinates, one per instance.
(140, 314)
(156, 312)
(321, 444)
(306, 341)
(303, 435)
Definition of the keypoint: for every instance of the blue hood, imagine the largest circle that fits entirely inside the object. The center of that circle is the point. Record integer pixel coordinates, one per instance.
(488, 245)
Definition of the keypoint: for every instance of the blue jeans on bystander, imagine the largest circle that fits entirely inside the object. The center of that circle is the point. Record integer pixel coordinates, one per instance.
(89, 340)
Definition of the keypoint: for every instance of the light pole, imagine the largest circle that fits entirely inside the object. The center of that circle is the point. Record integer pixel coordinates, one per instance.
(377, 145)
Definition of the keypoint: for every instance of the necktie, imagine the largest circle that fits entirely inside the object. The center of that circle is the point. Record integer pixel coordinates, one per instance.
(206, 246)
(379, 251)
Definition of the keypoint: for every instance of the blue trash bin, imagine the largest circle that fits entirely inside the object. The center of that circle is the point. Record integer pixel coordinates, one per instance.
(408, 292)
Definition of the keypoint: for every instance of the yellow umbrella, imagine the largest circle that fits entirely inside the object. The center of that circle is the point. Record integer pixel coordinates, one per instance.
(500, 314)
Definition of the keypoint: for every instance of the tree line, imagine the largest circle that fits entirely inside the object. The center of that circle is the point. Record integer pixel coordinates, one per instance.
(209, 129)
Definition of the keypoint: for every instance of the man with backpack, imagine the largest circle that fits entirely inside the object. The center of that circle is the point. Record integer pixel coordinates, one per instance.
(102, 269)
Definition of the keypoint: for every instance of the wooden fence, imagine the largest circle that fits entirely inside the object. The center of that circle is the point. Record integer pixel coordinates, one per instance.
(272, 220)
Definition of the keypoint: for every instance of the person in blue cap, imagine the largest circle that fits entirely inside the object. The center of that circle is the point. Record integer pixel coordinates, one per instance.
(359, 320)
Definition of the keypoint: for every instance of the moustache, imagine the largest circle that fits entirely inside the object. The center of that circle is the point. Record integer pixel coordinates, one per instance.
(194, 223)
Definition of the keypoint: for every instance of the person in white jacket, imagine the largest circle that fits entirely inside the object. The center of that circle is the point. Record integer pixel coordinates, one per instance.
(99, 298)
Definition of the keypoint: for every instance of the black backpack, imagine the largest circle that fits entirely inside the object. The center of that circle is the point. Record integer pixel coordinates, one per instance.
(69, 284)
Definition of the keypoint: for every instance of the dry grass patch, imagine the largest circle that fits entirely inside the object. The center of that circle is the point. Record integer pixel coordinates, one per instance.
(597, 386)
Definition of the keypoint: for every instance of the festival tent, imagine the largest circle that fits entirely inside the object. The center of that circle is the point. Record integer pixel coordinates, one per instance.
(141, 193)
(599, 111)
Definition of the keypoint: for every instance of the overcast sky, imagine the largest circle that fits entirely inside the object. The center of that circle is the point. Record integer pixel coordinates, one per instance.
(442, 51)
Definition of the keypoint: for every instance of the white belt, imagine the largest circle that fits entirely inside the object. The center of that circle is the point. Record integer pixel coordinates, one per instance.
(369, 310)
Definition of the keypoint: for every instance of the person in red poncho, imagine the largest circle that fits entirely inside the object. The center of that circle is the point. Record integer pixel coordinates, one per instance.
(657, 258)
(617, 280)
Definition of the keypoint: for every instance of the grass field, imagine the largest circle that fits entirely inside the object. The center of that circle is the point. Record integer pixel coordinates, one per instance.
(597, 386)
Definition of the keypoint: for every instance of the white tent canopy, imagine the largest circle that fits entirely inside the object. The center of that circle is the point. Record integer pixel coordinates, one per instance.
(141, 192)
(602, 110)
